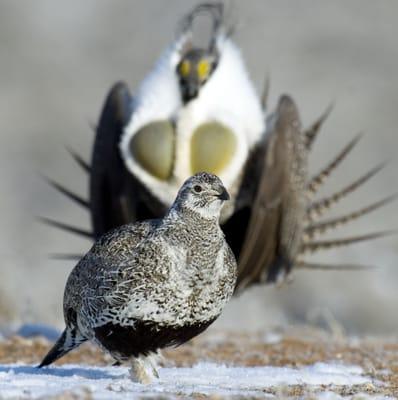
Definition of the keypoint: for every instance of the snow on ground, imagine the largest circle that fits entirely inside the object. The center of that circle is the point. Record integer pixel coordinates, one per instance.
(28, 382)
(34, 330)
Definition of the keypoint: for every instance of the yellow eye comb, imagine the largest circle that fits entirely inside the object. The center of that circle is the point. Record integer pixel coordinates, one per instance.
(203, 69)
(185, 68)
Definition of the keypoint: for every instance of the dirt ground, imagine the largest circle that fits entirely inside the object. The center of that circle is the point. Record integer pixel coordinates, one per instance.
(293, 348)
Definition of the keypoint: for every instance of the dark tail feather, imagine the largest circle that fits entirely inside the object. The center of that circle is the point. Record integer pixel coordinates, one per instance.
(73, 257)
(57, 351)
(312, 132)
(66, 192)
(66, 227)
(279, 270)
(323, 227)
(67, 342)
(318, 208)
(93, 126)
(311, 247)
(265, 94)
(332, 267)
(319, 179)
(83, 164)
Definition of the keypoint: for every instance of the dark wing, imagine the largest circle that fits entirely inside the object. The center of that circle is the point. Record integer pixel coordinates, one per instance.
(111, 200)
(281, 222)
(274, 227)
(116, 196)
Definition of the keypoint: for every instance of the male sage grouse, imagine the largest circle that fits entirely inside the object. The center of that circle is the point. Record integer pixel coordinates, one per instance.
(152, 284)
(198, 110)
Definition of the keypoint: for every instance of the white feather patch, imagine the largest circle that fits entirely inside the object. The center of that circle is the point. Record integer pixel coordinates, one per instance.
(228, 97)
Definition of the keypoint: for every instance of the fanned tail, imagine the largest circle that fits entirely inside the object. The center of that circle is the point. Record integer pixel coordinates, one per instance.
(318, 180)
(325, 226)
(313, 227)
(318, 208)
(313, 246)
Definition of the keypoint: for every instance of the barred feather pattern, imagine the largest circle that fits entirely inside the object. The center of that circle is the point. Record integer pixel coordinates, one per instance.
(316, 209)
(178, 271)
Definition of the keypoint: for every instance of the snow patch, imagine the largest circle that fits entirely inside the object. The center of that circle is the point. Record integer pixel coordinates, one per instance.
(359, 396)
(272, 338)
(25, 381)
(34, 330)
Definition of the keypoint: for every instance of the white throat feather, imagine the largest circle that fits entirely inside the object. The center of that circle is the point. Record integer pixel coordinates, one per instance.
(228, 97)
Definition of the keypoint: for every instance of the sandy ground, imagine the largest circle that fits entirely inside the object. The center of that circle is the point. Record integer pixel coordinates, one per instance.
(57, 61)
(295, 347)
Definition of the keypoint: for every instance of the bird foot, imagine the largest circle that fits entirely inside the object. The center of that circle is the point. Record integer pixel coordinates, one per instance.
(143, 371)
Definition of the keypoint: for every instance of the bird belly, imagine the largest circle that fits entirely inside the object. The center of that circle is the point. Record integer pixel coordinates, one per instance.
(144, 337)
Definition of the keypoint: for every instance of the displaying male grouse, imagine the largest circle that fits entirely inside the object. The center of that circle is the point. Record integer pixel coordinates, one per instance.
(198, 110)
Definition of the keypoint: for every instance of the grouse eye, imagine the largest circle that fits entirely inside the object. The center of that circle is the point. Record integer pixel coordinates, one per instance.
(184, 68)
(197, 188)
(203, 69)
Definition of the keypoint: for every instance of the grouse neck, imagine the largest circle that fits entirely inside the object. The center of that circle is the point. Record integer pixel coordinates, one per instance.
(194, 222)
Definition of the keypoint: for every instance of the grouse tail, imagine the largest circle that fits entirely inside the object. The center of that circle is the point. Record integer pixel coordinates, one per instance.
(69, 340)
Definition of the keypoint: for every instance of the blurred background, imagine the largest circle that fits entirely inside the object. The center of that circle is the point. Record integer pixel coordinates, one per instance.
(58, 60)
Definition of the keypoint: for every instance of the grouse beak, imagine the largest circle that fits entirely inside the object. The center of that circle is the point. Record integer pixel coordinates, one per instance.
(190, 91)
(223, 194)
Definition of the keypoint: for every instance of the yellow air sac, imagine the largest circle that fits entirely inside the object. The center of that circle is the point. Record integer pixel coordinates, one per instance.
(153, 148)
(212, 147)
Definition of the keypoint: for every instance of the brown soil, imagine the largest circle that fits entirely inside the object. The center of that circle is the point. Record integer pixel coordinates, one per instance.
(297, 347)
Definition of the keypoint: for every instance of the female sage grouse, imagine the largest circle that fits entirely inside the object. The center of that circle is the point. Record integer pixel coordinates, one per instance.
(153, 284)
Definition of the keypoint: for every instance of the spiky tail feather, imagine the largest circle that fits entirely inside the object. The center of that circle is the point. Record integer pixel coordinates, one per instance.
(68, 193)
(312, 132)
(83, 164)
(66, 227)
(67, 342)
(318, 180)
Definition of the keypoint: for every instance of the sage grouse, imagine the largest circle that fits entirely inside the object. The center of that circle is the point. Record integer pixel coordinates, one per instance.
(153, 284)
(198, 110)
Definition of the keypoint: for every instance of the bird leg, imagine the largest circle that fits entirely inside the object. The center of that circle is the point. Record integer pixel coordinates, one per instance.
(143, 370)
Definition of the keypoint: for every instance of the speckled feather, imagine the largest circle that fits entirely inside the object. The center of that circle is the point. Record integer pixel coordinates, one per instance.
(168, 275)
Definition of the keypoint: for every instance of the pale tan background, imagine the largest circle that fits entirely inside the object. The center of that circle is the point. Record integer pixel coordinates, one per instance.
(57, 61)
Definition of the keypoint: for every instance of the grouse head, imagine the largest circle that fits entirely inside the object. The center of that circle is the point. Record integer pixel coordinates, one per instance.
(198, 61)
(202, 193)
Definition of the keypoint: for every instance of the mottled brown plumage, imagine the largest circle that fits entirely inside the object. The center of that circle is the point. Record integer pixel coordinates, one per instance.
(152, 284)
